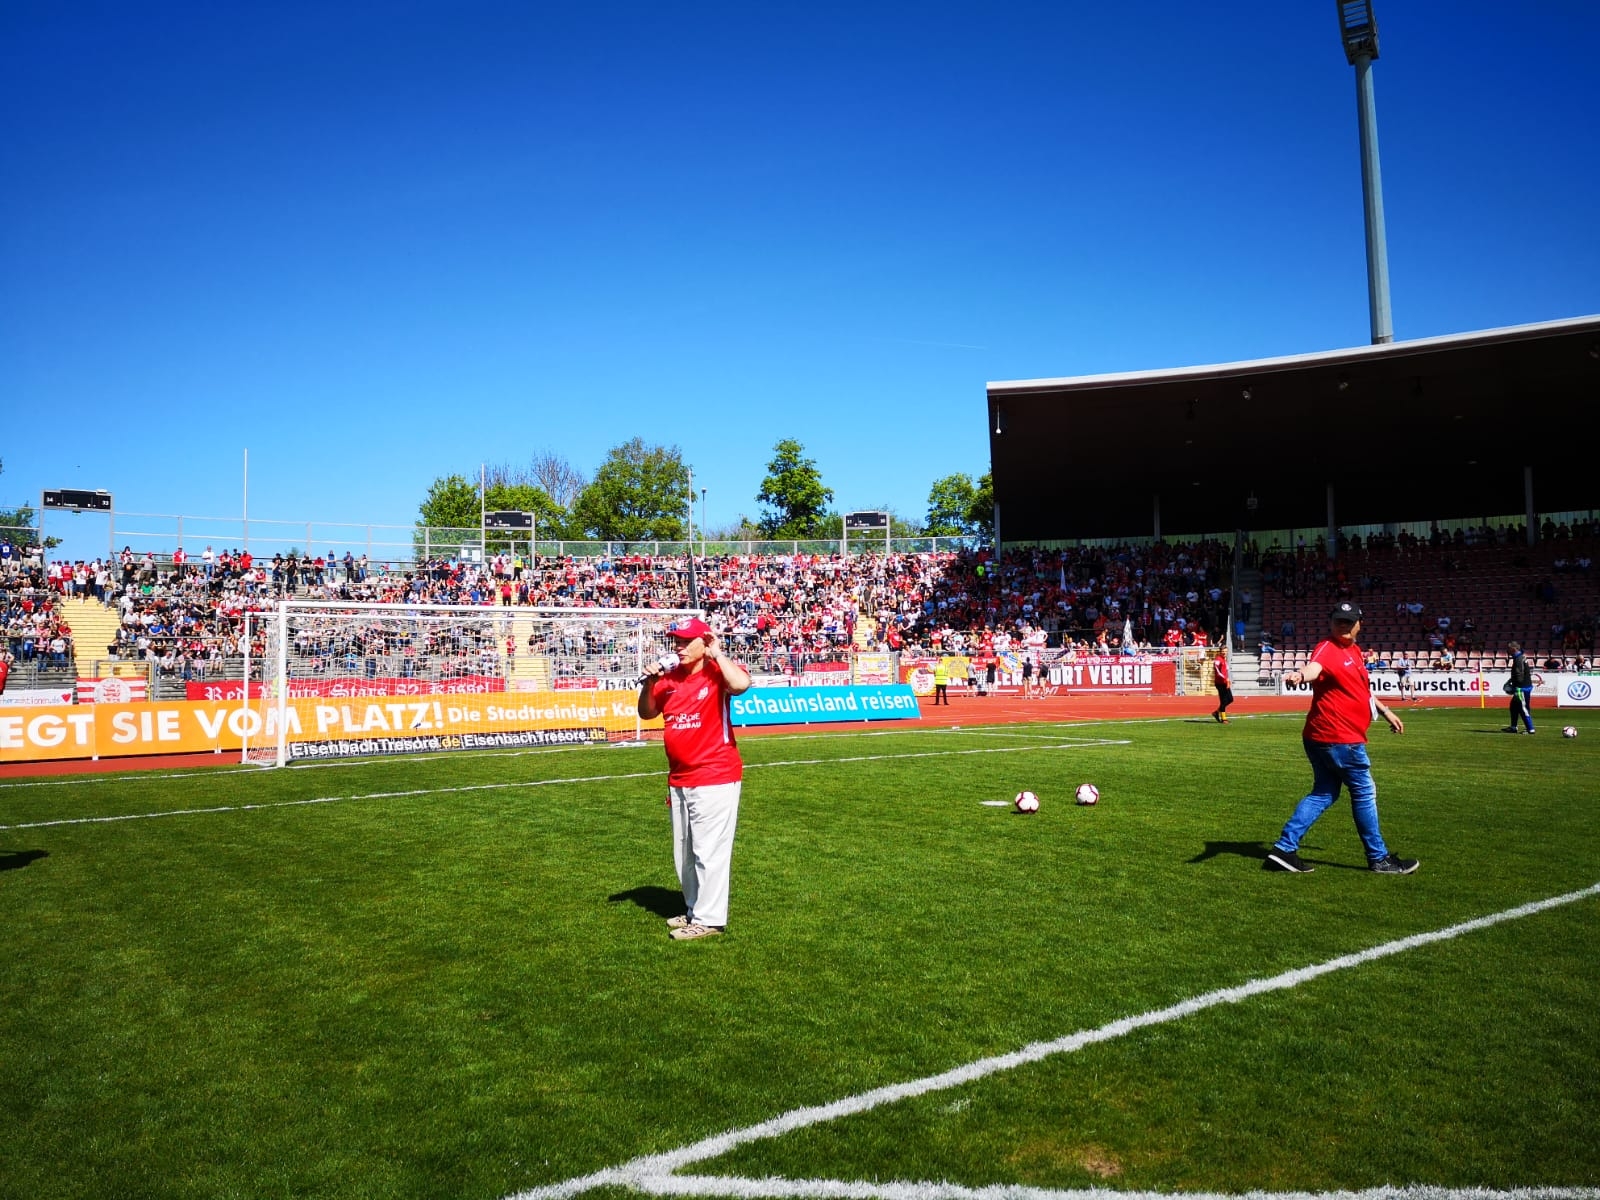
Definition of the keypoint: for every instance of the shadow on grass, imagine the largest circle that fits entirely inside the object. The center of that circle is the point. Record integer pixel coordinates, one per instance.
(1256, 850)
(15, 860)
(1259, 851)
(663, 902)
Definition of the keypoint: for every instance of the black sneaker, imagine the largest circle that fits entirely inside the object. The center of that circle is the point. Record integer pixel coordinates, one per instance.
(1395, 865)
(1288, 860)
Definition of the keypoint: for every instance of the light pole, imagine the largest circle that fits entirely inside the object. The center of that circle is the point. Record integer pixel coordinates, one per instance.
(702, 522)
(1358, 29)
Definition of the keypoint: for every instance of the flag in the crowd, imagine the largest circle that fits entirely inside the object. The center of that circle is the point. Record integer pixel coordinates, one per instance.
(1127, 631)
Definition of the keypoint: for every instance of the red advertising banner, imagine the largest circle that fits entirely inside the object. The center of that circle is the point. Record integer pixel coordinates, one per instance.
(1158, 676)
(346, 687)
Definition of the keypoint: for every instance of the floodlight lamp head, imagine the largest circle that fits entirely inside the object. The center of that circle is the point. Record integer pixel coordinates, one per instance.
(1358, 28)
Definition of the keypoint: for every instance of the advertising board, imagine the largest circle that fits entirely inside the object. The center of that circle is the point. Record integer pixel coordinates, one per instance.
(391, 724)
(1425, 684)
(818, 705)
(1577, 691)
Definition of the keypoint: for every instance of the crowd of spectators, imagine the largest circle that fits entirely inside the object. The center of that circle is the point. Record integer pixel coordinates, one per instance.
(35, 634)
(1399, 579)
(185, 613)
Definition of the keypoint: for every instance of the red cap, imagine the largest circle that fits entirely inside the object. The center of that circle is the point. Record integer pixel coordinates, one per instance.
(689, 629)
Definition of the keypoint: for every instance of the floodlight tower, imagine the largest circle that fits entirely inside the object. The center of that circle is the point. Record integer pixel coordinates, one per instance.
(1359, 30)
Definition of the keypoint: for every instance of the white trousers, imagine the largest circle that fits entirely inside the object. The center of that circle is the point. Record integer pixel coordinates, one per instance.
(703, 821)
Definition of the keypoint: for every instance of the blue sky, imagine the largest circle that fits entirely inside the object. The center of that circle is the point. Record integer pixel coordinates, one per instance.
(376, 243)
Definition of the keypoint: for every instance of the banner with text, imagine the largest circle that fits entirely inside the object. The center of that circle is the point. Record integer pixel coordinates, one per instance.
(1156, 676)
(341, 687)
(817, 705)
(196, 726)
(1489, 685)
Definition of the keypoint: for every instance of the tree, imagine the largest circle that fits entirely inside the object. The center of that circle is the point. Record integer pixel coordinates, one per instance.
(452, 503)
(20, 526)
(639, 494)
(793, 494)
(980, 516)
(950, 506)
(548, 487)
(561, 481)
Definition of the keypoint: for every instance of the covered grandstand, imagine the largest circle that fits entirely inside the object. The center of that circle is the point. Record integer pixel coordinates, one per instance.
(1478, 426)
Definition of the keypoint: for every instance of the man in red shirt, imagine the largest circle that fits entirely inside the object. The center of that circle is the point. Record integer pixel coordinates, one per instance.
(704, 771)
(1335, 737)
(1224, 685)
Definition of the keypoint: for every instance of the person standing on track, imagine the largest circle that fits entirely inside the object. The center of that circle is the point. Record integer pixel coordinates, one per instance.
(1335, 737)
(704, 771)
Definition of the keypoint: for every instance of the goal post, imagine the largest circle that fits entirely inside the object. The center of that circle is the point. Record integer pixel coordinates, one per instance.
(332, 680)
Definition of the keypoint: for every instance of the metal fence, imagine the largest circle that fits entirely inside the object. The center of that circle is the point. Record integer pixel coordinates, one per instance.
(400, 546)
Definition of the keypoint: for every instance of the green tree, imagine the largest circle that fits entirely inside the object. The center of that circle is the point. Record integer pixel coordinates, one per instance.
(21, 525)
(950, 506)
(980, 516)
(639, 494)
(452, 503)
(793, 494)
(451, 514)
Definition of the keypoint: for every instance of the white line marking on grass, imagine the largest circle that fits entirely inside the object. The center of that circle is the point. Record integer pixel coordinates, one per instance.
(654, 1172)
(845, 1189)
(536, 783)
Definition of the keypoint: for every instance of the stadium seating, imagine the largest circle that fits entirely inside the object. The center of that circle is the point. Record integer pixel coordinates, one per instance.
(782, 611)
(1491, 594)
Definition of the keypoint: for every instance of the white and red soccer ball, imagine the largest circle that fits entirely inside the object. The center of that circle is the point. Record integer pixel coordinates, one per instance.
(1088, 794)
(1569, 731)
(1027, 802)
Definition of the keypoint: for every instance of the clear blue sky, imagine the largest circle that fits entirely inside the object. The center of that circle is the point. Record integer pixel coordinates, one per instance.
(379, 242)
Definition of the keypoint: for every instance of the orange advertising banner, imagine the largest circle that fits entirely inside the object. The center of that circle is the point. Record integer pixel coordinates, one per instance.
(197, 726)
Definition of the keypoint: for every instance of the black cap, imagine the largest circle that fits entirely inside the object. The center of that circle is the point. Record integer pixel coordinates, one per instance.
(1346, 611)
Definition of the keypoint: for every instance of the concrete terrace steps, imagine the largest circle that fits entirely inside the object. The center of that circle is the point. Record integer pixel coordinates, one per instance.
(94, 627)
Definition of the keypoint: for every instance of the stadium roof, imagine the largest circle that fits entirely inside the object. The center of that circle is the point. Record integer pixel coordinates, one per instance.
(1407, 431)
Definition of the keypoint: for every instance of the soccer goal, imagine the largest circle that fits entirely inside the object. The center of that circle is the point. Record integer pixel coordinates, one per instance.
(332, 680)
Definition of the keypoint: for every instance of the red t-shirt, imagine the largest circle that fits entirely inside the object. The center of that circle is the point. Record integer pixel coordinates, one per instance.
(1341, 697)
(1219, 667)
(698, 733)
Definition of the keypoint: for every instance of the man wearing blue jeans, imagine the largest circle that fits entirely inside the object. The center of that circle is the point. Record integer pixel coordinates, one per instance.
(1520, 688)
(1335, 737)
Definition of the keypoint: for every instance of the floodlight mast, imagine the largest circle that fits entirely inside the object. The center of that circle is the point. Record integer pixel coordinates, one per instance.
(1358, 28)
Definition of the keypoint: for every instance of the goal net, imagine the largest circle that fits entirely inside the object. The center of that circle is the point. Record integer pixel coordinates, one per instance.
(329, 680)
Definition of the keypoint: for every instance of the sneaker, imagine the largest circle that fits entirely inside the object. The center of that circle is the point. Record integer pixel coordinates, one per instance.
(1287, 860)
(678, 922)
(1509, 729)
(1531, 732)
(1395, 865)
(1217, 716)
(686, 933)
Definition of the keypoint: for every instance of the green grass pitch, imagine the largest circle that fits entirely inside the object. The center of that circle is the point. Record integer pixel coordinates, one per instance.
(451, 977)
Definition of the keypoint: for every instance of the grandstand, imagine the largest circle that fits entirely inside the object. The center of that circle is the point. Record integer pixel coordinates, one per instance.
(781, 612)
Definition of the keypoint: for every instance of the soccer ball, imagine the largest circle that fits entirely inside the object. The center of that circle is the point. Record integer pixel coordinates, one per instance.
(1088, 794)
(1569, 731)
(1027, 802)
